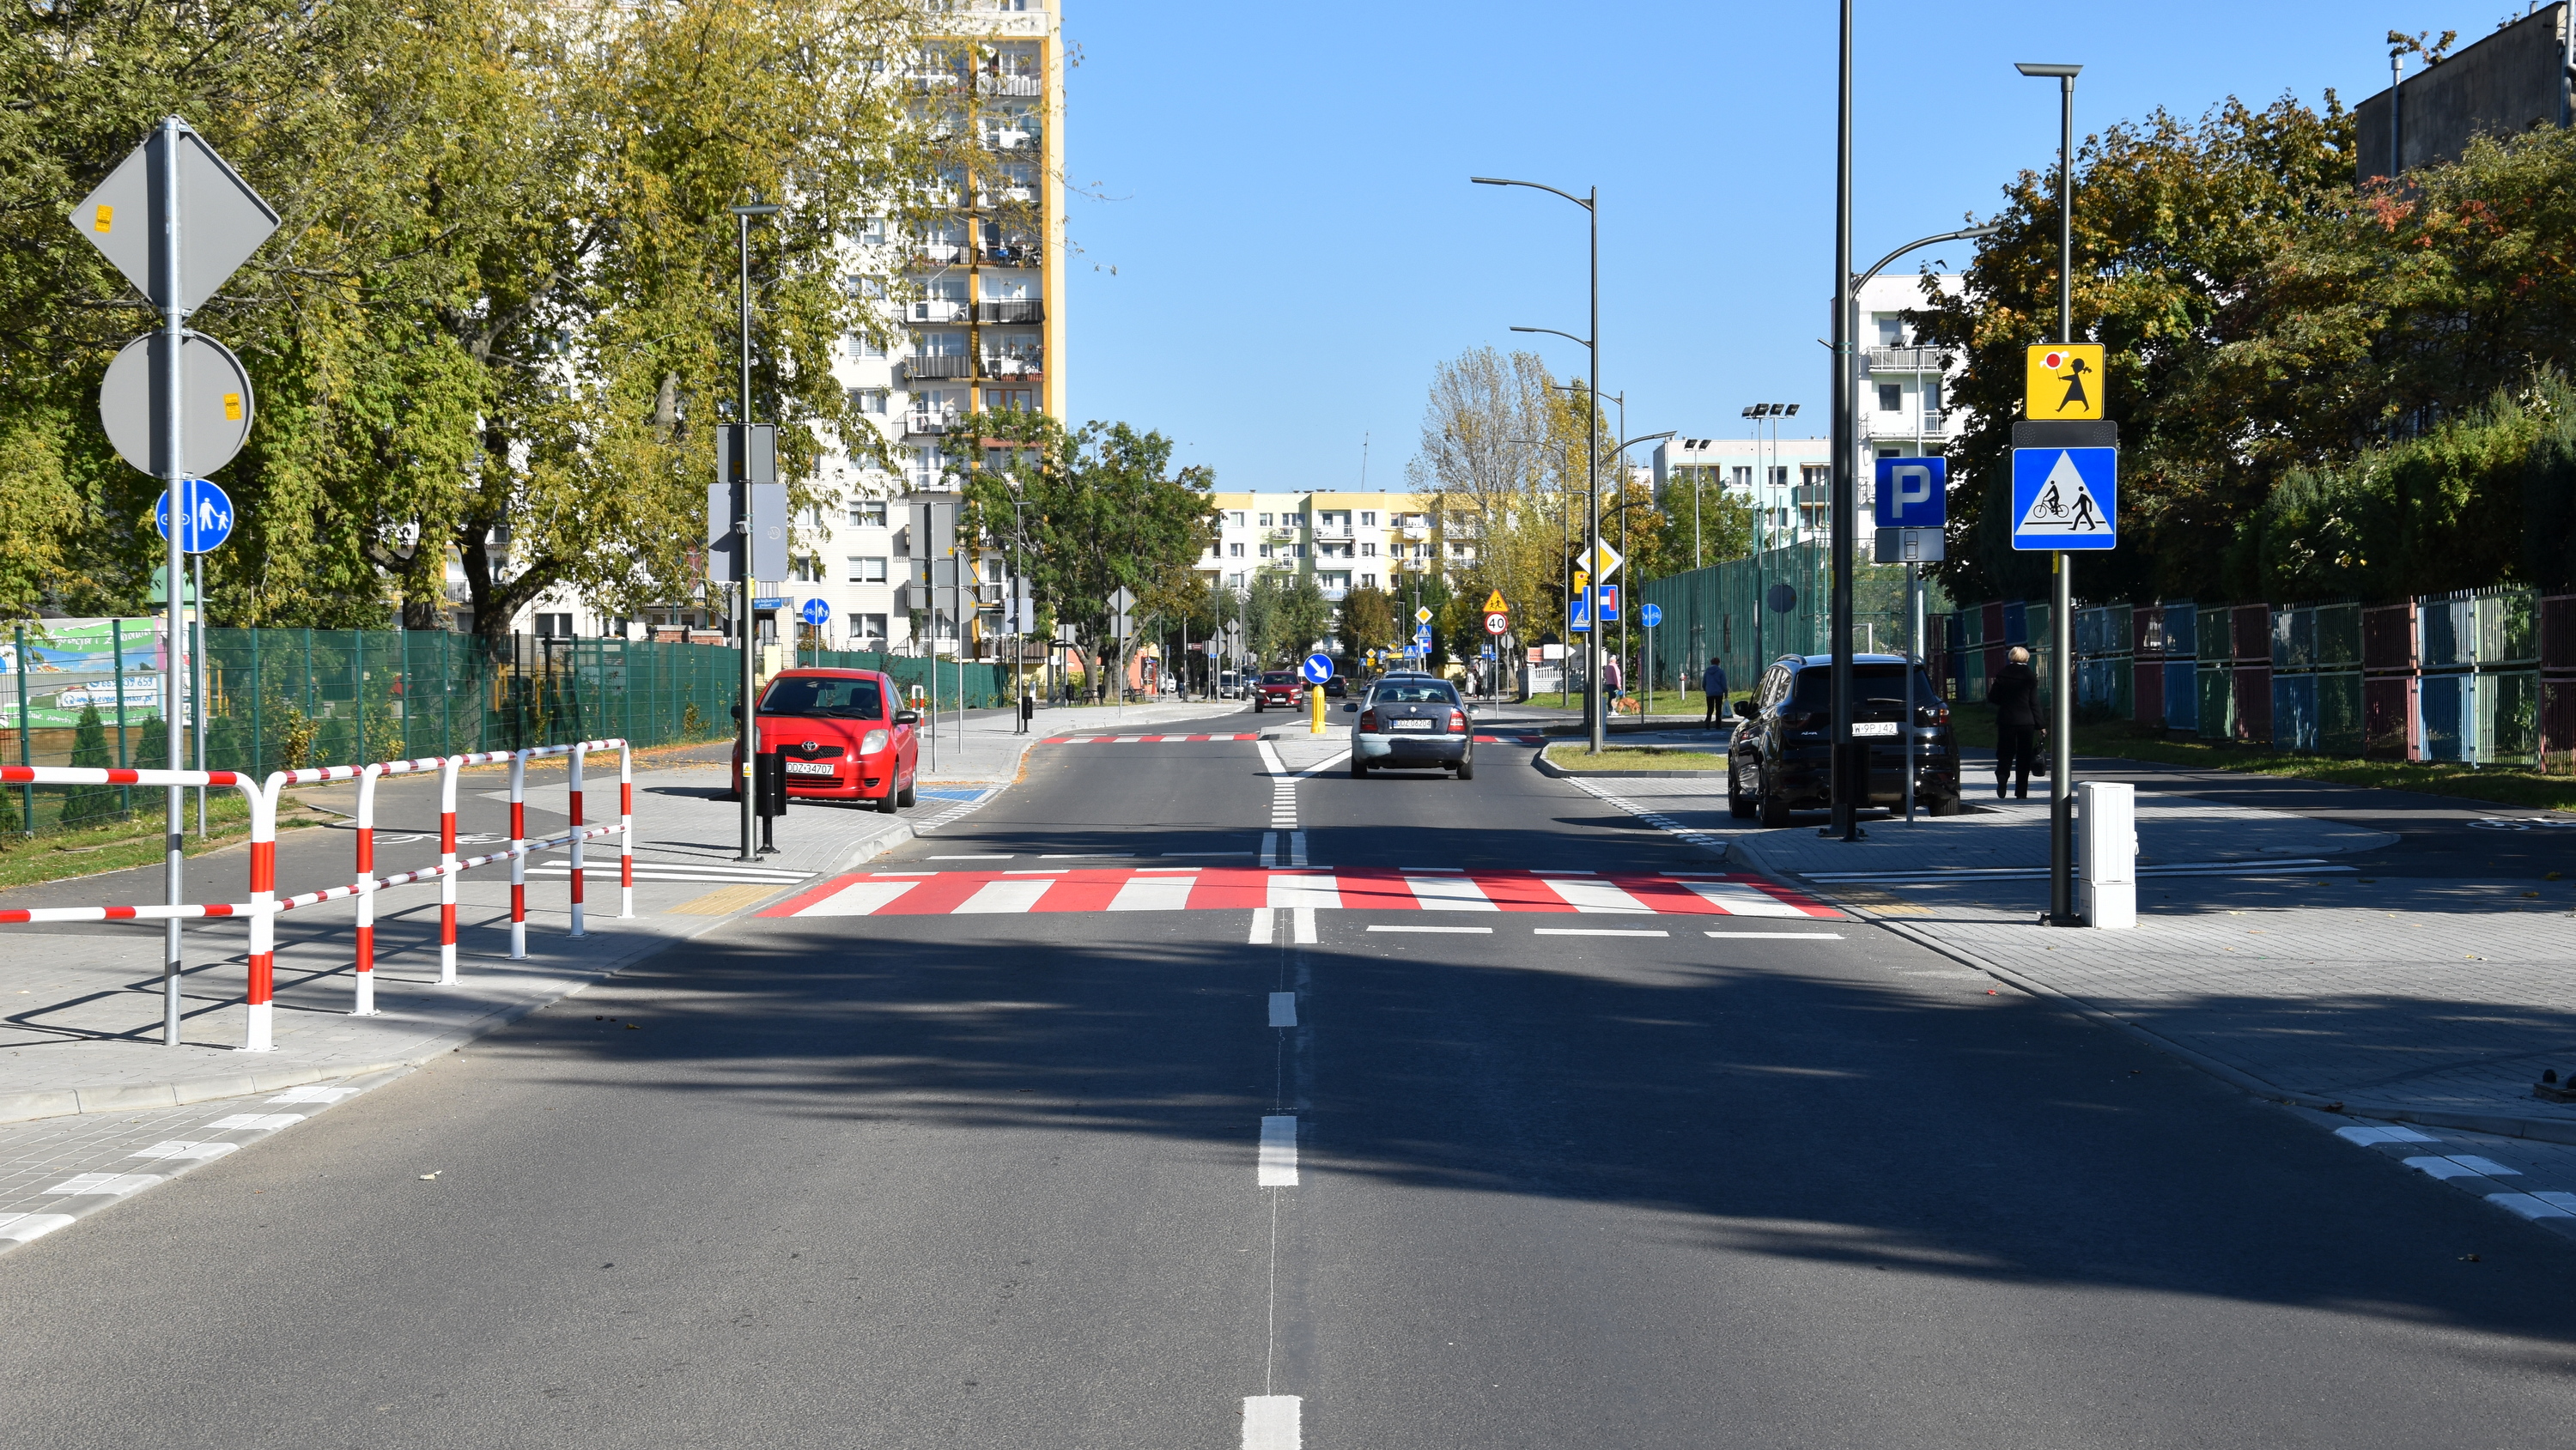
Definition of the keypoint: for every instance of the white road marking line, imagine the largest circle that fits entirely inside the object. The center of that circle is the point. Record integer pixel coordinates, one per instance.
(1278, 1153)
(1154, 893)
(28, 1227)
(1565, 873)
(2528, 1205)
(1430, 868)
(1296, 848)
(1271, 764)
(253, 1123)
(1270, 1422)
(884, 874)
(1449, 893)
(1001, 898)
(2367, 1136)
(1283, 1009)
(2556, 1199)
(2461, 1167)
(1594, 931)
(1441, 930)
(182, 1148)
(120, 1184)
(1304, 919)
(975, 858)
(1305, 892)
(1341, 759)
(862, 897)
(313, 1095)
(1167, 870)
(1779, 935)
(1037, 871)
(1264, 925)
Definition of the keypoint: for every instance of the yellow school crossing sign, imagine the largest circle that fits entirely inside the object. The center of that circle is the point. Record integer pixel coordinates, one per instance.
(1494, 603)
(2063, 380)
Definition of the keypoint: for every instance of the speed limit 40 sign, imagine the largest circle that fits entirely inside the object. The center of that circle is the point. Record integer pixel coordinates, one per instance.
(1498, 623)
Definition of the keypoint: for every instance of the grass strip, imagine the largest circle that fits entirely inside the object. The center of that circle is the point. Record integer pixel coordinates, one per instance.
(123, 845)
(1570, 756)
(2508, 785)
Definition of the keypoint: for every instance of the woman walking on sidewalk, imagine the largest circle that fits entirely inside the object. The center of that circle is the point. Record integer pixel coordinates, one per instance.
(2014, 692)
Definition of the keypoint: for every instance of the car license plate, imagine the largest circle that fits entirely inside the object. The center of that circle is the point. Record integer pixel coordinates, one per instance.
(1873, 727)
(809, 767)
(1408, 724)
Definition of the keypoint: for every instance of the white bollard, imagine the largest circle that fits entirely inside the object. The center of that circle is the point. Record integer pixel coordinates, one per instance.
(2106, 832)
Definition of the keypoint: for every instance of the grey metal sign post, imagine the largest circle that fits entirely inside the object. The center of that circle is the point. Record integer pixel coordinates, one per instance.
(177, 221)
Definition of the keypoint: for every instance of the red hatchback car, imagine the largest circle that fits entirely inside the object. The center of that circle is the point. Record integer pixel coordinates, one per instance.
(1283, 688)
(845, 735)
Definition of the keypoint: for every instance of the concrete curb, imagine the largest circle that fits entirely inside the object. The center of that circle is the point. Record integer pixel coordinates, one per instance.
(2502, 1125)
(1545, 766)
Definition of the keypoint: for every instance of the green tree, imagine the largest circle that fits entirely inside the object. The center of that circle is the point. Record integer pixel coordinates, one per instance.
(1367, 620)
(1305, 615)
(2175, 227)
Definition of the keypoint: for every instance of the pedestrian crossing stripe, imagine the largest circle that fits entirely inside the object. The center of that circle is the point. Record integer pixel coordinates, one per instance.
(977, 893)
(1136, 739)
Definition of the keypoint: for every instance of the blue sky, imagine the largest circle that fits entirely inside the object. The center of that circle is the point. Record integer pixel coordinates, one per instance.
(1282, 189)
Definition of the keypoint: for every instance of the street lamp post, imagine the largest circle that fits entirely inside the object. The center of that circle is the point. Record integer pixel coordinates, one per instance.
(1590, 201)
(2061, 604)
(750, 731)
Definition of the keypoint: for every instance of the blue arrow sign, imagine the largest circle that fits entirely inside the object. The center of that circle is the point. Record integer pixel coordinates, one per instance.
(1913, 493)
(1317, 669)
(815, 612)
(2066, 498)
(211, 518)
(1650, 615)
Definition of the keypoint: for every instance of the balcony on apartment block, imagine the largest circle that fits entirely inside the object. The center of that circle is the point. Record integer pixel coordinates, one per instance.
(959, 366)
(922, 422)
(1011, 309)
(997, 85)
(1906, 359)
(1027, 363)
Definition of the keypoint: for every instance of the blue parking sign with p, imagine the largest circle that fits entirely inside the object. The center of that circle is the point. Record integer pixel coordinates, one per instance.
(1913, 493)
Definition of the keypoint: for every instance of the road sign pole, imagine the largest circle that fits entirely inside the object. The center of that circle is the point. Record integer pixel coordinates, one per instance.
(2061, 744)
(174, 476)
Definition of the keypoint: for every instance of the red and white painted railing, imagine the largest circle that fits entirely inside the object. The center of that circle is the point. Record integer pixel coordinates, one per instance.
(265, 905)
(89, 775)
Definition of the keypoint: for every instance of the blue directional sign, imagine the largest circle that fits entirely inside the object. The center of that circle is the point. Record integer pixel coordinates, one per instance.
(815, 612)
(1580, 621)
(210, 518)
(1317, 669)
(1609, 601)
(1913, 493)
(1650, 615)
(768, 602)
(2065, 498)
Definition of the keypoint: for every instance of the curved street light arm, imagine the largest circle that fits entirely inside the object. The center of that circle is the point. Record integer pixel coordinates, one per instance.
(1969, 234)
(1533, 185)
(1569, 337)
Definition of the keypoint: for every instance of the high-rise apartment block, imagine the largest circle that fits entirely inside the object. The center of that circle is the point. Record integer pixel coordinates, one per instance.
(1346, 541)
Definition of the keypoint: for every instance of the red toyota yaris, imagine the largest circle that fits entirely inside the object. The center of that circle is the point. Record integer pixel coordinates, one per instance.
(845, 735)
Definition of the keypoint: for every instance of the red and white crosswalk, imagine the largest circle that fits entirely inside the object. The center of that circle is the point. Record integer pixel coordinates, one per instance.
(972, 893)
(1136, 739)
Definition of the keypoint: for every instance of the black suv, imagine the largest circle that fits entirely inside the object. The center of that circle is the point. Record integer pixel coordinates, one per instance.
(1781, 757)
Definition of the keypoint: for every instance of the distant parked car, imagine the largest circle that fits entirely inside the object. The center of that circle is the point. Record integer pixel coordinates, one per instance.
(1781, 756)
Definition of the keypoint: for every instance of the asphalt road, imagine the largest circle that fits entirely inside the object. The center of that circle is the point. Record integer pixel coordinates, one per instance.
(989, 1180)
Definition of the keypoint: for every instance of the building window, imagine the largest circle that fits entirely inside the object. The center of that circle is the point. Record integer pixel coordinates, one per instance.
(867, 513)
(1234, 551)
(1007, 400)
(1891, 397)
(1265, 551)
(554, 626)
(1238, 518)
(1265, 521)
(1369, 581)
(1368, 550)
(1932, 395)
(1368, 518)
(1891, 329)
(867, 628)
(805, 570)
(868, 400)
(867, 568)
(1744, 478)
(862, 345)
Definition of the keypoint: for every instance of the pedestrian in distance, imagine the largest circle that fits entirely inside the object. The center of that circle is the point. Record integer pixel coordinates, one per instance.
(2014, 692)
(1713, 681)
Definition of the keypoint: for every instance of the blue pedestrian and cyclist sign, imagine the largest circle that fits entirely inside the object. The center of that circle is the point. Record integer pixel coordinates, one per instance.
(1650, 615)
(2066, 498)
(209, 521)
(816, 612)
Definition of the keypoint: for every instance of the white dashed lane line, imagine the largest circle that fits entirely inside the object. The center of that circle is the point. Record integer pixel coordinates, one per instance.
(2442, 1155)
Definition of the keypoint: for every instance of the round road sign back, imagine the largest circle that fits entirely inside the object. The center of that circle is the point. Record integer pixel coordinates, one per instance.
(1782, 598)
(217, 404)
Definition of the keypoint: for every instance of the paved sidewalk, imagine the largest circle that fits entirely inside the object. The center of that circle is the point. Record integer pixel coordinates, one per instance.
(83, 1030)
(2296, 955)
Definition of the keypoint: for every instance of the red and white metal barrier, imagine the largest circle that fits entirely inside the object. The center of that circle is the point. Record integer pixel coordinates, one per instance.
(90, 775)
(521, 848)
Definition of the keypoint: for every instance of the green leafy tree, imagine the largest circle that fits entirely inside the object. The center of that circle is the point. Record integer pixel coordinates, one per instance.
(1305, 615)
(89, 805)
(1367, 620)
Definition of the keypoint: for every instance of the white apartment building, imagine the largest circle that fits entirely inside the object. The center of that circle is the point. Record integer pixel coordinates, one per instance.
(978, 324)
(1903, 386)
(1346, 539)
(1786, 481)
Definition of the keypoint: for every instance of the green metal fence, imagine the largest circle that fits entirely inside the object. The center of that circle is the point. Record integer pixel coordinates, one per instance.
(984, 685)
(279, 699)
(1733, 610)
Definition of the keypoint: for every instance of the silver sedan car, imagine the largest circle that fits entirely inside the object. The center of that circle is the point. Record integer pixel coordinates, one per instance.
(1416, 722)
